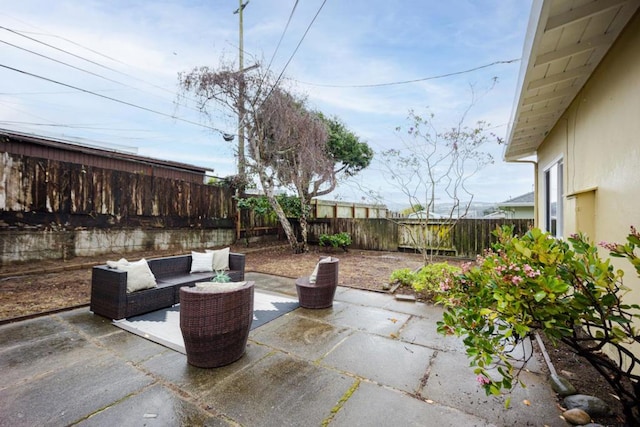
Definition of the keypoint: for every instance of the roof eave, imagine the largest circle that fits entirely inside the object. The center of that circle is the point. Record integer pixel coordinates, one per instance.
(550, 79)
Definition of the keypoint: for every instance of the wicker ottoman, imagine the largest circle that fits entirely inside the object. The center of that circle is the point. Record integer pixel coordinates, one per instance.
(215, 324)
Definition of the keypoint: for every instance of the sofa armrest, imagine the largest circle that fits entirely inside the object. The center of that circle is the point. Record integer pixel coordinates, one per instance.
(108, 292)
(237, 263)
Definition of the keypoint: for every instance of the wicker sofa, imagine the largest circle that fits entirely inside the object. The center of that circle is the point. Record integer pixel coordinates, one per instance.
(109, 296)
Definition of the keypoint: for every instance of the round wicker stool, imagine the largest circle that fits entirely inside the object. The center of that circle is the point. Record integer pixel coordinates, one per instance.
(215, 324)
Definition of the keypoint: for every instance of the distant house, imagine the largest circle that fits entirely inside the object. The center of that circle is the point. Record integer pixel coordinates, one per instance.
(521, 207)
(577, 117)
(425, 215)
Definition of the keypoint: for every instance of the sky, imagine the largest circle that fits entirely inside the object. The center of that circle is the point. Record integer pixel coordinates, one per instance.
(105, 72)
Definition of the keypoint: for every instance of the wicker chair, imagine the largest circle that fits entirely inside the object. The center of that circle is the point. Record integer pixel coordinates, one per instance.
(215, 324)
(319, 294)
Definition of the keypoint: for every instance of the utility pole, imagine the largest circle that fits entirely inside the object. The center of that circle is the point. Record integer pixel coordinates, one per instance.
(241, 88)
(242, 176)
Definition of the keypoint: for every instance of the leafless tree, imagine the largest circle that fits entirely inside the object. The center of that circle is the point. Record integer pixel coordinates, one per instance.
(433, 165)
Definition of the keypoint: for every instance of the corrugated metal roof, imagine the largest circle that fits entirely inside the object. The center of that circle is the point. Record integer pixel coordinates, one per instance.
(566, 40)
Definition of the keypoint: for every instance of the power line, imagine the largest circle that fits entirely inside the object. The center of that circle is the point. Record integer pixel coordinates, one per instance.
(402, 82)
(66, 64)
(73, 126)
(61, 38)
(86, 71)
(286, 27)
(21, 34)
(299, 43)
(109, 98)
(275, 84)
(266, 72)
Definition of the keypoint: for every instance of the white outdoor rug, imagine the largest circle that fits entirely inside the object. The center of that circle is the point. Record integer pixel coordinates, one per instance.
(163, 326)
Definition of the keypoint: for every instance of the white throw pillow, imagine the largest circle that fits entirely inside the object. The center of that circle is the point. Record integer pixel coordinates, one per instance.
(116, 264)
(314, 275)
(218, 287)
(220, 258)
(201, 262)
(139, 275)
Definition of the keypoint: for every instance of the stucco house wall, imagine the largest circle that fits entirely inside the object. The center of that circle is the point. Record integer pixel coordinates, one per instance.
(598, 140)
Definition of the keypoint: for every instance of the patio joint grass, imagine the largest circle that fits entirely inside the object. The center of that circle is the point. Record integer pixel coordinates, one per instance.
(345, 397)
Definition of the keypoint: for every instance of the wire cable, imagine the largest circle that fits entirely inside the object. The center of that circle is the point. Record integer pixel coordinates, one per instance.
(110, 98)
(21, 34)
(66, 64)
(298, 45)
(89, 72)
(403, 82)
(275, 84)
(286, 27)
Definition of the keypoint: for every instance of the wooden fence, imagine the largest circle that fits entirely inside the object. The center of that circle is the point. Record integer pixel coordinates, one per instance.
(42, 192)
(472, 236)
(463, 238)
(467, 238)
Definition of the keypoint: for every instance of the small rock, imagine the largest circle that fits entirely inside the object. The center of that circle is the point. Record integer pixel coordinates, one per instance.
(562, 386)
(576, 417)
(591, 405)
(410, 298)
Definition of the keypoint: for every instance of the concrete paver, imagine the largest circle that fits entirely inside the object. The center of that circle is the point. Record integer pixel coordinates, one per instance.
(370, 360)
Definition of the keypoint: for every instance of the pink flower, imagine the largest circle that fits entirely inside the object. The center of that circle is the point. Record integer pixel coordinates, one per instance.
(482, 380)
(530, 272)
(609, 246)
(516, 280)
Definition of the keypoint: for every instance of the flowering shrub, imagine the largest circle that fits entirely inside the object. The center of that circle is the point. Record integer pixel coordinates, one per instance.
(561, 288)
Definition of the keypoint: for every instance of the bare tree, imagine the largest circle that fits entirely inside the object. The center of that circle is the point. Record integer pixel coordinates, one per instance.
(433, 165)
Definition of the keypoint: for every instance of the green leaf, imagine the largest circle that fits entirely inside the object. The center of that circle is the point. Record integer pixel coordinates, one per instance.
(540, 295)
(507, 402)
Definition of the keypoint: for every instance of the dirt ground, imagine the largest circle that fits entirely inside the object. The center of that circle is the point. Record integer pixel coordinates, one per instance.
(28, 289)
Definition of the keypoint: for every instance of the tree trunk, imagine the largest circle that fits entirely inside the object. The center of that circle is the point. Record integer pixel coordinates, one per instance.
(284, 221)
(304, 232)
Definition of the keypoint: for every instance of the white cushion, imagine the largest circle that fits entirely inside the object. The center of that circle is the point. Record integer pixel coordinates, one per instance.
(201, 262)
(139, 275)
(220, 258)
(218, 287)
(314, 275)
(116, 264)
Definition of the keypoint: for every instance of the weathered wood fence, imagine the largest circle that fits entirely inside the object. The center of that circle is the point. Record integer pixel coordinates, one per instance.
(57, 210)
(43, 192)
(466, 238)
